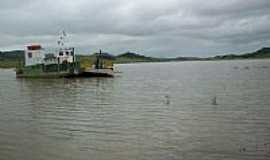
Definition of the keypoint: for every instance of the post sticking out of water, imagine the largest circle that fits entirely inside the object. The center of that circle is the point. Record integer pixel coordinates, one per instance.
(167, 99)
(73, 54)
(214, 101)
(58, 66)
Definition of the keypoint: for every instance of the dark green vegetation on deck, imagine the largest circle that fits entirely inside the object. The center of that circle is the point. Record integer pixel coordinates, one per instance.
(47, 71)
(12, 59)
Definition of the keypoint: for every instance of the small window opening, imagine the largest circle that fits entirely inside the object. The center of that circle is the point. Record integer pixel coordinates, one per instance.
(30, 55)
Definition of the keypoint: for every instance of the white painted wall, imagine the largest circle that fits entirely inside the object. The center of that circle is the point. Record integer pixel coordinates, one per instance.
(64, 57)
(37, 57)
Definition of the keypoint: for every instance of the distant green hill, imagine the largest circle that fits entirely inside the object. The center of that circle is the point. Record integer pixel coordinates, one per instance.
(187, 59)
(12, 59)
(17, 54)
(130, 57)
(259, 54)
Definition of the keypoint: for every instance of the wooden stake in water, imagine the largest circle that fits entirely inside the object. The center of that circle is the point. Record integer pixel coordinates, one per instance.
(167, 99)
(214, 101)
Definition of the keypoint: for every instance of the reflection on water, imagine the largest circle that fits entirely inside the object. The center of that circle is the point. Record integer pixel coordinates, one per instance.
(150, 111)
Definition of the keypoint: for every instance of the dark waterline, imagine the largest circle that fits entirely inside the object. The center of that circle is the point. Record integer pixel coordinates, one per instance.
(150, 111)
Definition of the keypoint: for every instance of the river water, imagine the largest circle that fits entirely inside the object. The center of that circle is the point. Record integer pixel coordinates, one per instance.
(154, 111)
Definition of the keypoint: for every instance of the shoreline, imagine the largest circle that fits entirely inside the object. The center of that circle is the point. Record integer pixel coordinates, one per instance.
(172, 61)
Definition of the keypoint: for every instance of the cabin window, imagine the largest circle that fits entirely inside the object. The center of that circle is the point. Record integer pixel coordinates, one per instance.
(61, 53)
(67, 53)
(30, 55)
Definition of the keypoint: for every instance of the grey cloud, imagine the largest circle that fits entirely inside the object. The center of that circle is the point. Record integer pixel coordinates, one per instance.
(153, 27)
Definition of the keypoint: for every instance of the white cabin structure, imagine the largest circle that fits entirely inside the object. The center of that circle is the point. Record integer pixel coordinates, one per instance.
(35, 54)
(66, 55)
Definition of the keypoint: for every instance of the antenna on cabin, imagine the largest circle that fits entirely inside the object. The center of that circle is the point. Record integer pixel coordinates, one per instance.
(61, 40)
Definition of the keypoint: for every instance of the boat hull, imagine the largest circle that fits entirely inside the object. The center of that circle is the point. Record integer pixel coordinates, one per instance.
(98, 73)
(90, 73)
(45, 75)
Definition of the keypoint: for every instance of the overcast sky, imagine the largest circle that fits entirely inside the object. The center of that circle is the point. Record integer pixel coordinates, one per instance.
(163, 28)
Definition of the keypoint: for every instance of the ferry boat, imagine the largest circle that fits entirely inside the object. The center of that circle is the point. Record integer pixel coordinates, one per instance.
(62, 63)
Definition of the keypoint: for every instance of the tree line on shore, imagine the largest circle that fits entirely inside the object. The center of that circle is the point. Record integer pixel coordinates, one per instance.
(11, 59)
